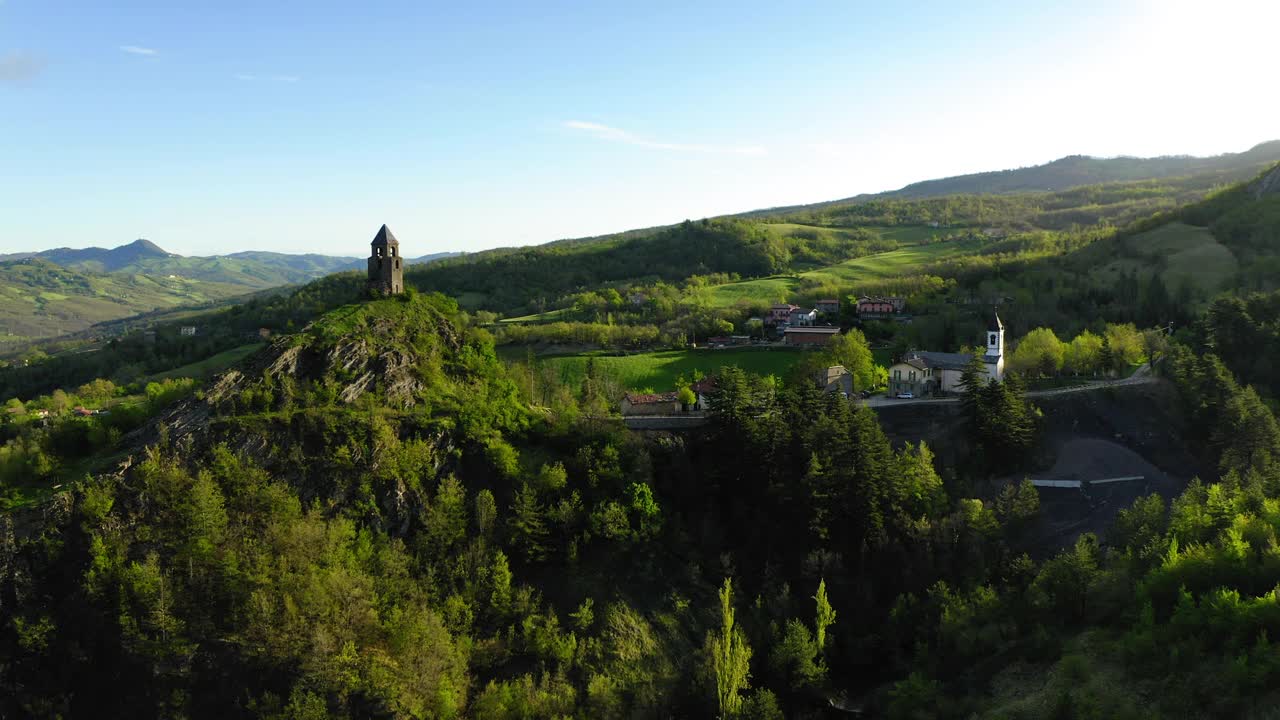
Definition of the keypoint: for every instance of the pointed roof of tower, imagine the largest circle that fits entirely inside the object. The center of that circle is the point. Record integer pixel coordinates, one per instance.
(993, 324)
(384, 237)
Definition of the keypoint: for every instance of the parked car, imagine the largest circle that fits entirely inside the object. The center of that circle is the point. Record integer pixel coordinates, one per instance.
(906, 396)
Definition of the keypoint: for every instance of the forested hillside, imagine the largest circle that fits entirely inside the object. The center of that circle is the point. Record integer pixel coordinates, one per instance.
(368, 520)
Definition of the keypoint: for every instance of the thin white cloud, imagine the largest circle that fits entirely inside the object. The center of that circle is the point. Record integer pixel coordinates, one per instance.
(612, 134)
(246, 76)
(286, 78)
(138, 50)
(19, 67)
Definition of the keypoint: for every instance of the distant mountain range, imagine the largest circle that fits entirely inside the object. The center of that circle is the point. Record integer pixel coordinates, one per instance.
(254, 270)
(1068, 172)
(54, 292)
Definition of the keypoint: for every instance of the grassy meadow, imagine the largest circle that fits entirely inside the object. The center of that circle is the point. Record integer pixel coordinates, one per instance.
(211, 365)
(659, 371)
(894, 263)
(39, 299)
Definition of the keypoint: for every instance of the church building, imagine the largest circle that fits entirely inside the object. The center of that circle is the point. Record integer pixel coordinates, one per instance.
(925, 374)
(386, 275)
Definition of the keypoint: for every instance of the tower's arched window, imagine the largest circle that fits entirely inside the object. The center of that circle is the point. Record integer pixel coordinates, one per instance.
(393, 251)
(377, 251)
(993, 339)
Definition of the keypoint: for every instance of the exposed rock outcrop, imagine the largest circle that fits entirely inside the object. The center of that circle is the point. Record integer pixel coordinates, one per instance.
(1268, 184)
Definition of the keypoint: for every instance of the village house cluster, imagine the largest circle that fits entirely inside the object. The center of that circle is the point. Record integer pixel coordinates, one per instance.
(805, 327)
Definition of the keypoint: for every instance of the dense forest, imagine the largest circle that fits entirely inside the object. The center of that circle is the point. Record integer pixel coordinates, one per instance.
(367, 521)
(374, 516)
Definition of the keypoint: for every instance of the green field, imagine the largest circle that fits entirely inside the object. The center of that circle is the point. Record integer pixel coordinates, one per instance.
(894, 263)
(909, 234)
(211, 365)
(658, 371)
(39, 299)
(548, 316)
(780, 288)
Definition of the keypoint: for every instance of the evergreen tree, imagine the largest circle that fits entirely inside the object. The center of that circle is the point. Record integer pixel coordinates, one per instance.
(825, 617)
(528, 526)
(1106, 356)
(728, 657)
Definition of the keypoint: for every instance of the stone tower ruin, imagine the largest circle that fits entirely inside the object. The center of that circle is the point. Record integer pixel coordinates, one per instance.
(386, 272)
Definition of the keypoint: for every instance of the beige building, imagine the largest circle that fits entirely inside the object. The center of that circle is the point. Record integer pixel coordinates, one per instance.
(925, 374)
(835, 379)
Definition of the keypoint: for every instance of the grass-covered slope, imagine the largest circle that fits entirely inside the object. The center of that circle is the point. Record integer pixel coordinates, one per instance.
(40, 299)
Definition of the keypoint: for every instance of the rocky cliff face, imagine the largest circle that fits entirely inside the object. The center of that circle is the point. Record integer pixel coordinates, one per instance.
(1268, 184)
(384, 358)
(387, 352)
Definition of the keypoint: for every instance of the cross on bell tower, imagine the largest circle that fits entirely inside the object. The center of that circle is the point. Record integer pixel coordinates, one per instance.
(386, 274)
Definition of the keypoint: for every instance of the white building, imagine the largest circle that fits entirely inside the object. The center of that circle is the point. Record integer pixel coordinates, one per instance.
(924, 373)
(802, 318)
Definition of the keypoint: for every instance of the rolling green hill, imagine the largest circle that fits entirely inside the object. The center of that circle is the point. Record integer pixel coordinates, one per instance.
(1180, 253)
(1069, 172)
(65, 290)
(97, 259)
(39, 299)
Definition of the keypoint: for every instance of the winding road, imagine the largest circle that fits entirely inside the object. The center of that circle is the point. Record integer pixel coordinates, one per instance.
(1141, 376)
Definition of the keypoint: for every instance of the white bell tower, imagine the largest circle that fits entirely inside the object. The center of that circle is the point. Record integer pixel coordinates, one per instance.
(995, 347)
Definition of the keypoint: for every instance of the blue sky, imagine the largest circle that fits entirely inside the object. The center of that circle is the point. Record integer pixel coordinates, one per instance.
(301, 127)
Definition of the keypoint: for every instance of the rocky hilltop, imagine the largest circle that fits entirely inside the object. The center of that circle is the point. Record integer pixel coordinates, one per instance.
(391, 349)
(1268, 184)
(317, 408)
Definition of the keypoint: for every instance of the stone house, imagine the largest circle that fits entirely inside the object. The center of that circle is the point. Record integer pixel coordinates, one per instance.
(835, 379)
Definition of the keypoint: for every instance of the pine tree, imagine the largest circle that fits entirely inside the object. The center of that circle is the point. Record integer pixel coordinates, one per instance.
(1107, 357)
(528, 527)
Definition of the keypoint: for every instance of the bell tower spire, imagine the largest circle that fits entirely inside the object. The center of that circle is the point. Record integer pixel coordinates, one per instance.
(994, 357)
(386, 271)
